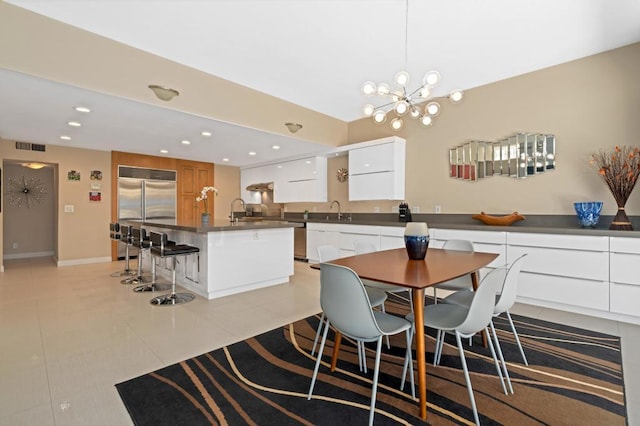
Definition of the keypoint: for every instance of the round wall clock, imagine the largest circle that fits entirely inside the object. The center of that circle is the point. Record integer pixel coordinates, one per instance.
(342, 174)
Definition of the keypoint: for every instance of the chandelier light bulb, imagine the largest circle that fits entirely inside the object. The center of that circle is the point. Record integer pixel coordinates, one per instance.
(380, 116)
(369, 88)
(383, 89)
(431, 78)
(426, 120)
(402, 78)
(432, 108)
(414, 112)
(456, 96)
(368, 110)
(402, 107)
(396, 123)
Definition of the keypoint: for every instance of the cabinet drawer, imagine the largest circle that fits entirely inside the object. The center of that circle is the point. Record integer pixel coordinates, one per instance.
(624, 245)
(591, 265)
(565, 290)
(624, 268)
(569, 242)
(348, 240)
(624, 299)
(492, 237)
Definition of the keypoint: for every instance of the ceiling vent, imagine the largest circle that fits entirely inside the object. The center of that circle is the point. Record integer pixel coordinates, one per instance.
(26, 146)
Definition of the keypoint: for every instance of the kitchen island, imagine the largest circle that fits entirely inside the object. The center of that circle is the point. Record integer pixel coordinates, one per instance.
(233, 258)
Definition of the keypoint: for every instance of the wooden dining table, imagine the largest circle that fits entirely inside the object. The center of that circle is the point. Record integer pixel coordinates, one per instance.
(395, 267)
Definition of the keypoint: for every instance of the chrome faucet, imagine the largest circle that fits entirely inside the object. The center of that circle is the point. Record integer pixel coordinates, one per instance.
(338, 203)
(244, 207)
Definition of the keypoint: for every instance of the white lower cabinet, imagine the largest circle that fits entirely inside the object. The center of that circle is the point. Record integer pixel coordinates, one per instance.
(391, 237)
(625, 280)
(565, 269)
(318, 235)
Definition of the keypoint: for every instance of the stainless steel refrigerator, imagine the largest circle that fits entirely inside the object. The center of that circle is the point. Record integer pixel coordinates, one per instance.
(146, 195)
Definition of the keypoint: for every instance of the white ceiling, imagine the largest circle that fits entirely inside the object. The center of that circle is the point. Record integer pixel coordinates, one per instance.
(314, 53)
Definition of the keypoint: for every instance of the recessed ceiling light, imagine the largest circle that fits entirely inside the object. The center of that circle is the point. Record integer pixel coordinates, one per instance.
(185, 142)
(164, 151)
(65, 138)
(205, 133)
(252, 153)
(226, 160)
(307, 162)
(279, 166)
(275, 147)
(82, 109)
(74, 124)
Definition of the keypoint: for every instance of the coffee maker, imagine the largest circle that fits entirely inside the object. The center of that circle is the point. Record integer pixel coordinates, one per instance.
(404, 213)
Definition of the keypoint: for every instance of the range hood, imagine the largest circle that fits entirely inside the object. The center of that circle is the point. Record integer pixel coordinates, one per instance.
(268, 186)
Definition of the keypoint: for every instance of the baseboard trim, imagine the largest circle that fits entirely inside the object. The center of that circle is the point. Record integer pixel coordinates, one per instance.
(28, 255)
(83, 261)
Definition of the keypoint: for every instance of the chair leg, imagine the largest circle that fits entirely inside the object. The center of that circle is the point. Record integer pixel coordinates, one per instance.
(386, 337)
(374, 388)
(409, 361)
(499, 350)
(495, 360)
(515, 335)
(318, 331)
(467, 378)
(406, 360)
(315, 370)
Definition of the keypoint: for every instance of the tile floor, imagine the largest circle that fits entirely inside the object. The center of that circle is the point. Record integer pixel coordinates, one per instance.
(67, 335)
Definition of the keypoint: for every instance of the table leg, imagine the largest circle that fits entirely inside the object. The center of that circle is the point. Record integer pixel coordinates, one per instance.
(336, 349)
(418, 311)
(474, 284)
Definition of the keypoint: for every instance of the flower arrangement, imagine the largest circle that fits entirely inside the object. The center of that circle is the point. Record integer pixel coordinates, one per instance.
(203, 197)
(620, 169)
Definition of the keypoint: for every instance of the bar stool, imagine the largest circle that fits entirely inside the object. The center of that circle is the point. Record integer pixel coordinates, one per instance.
(122, 233)
(162, 248)
(153, 284)
(140, 240)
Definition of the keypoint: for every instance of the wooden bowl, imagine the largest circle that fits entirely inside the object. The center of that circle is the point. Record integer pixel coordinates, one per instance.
(498, 220)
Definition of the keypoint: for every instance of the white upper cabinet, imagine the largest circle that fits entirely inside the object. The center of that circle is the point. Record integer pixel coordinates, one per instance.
(377, 170)
(303, 180)
(253, 175)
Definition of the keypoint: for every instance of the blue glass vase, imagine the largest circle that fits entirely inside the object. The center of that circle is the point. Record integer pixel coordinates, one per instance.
(588, 213)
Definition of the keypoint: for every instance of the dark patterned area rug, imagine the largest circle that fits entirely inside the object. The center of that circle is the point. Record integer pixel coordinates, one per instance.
(574, 377)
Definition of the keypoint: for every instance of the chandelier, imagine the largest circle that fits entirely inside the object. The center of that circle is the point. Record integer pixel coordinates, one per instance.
(419, 103)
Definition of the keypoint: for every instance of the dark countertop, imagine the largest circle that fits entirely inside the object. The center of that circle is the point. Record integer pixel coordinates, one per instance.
(541, 224)
(222, 225)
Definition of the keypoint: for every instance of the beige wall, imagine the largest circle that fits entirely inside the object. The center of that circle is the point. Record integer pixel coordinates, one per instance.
(588, 104)
(227, 180)
(84, 233)
(39, 46)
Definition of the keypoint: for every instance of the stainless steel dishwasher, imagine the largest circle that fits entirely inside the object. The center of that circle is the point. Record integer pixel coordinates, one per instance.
(300, 243)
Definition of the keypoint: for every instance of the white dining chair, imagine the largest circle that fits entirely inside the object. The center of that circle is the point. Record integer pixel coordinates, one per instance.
(504, 301)
(460, 283)
(377, 297)
(345, 302)
(464, 322)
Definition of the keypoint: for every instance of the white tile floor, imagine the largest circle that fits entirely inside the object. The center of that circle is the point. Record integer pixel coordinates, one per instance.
(67, 335)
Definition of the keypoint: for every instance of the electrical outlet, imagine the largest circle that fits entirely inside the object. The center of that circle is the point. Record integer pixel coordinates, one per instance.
(438, 209)
(376, 209)
(415, 209)
(15, 245)
(68, 208)
(394, 209)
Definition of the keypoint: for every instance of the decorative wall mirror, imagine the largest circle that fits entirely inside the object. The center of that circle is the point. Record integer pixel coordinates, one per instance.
(518, 156)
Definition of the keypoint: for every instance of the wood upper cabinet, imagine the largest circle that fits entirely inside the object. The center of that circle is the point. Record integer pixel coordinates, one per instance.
(192, 177)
